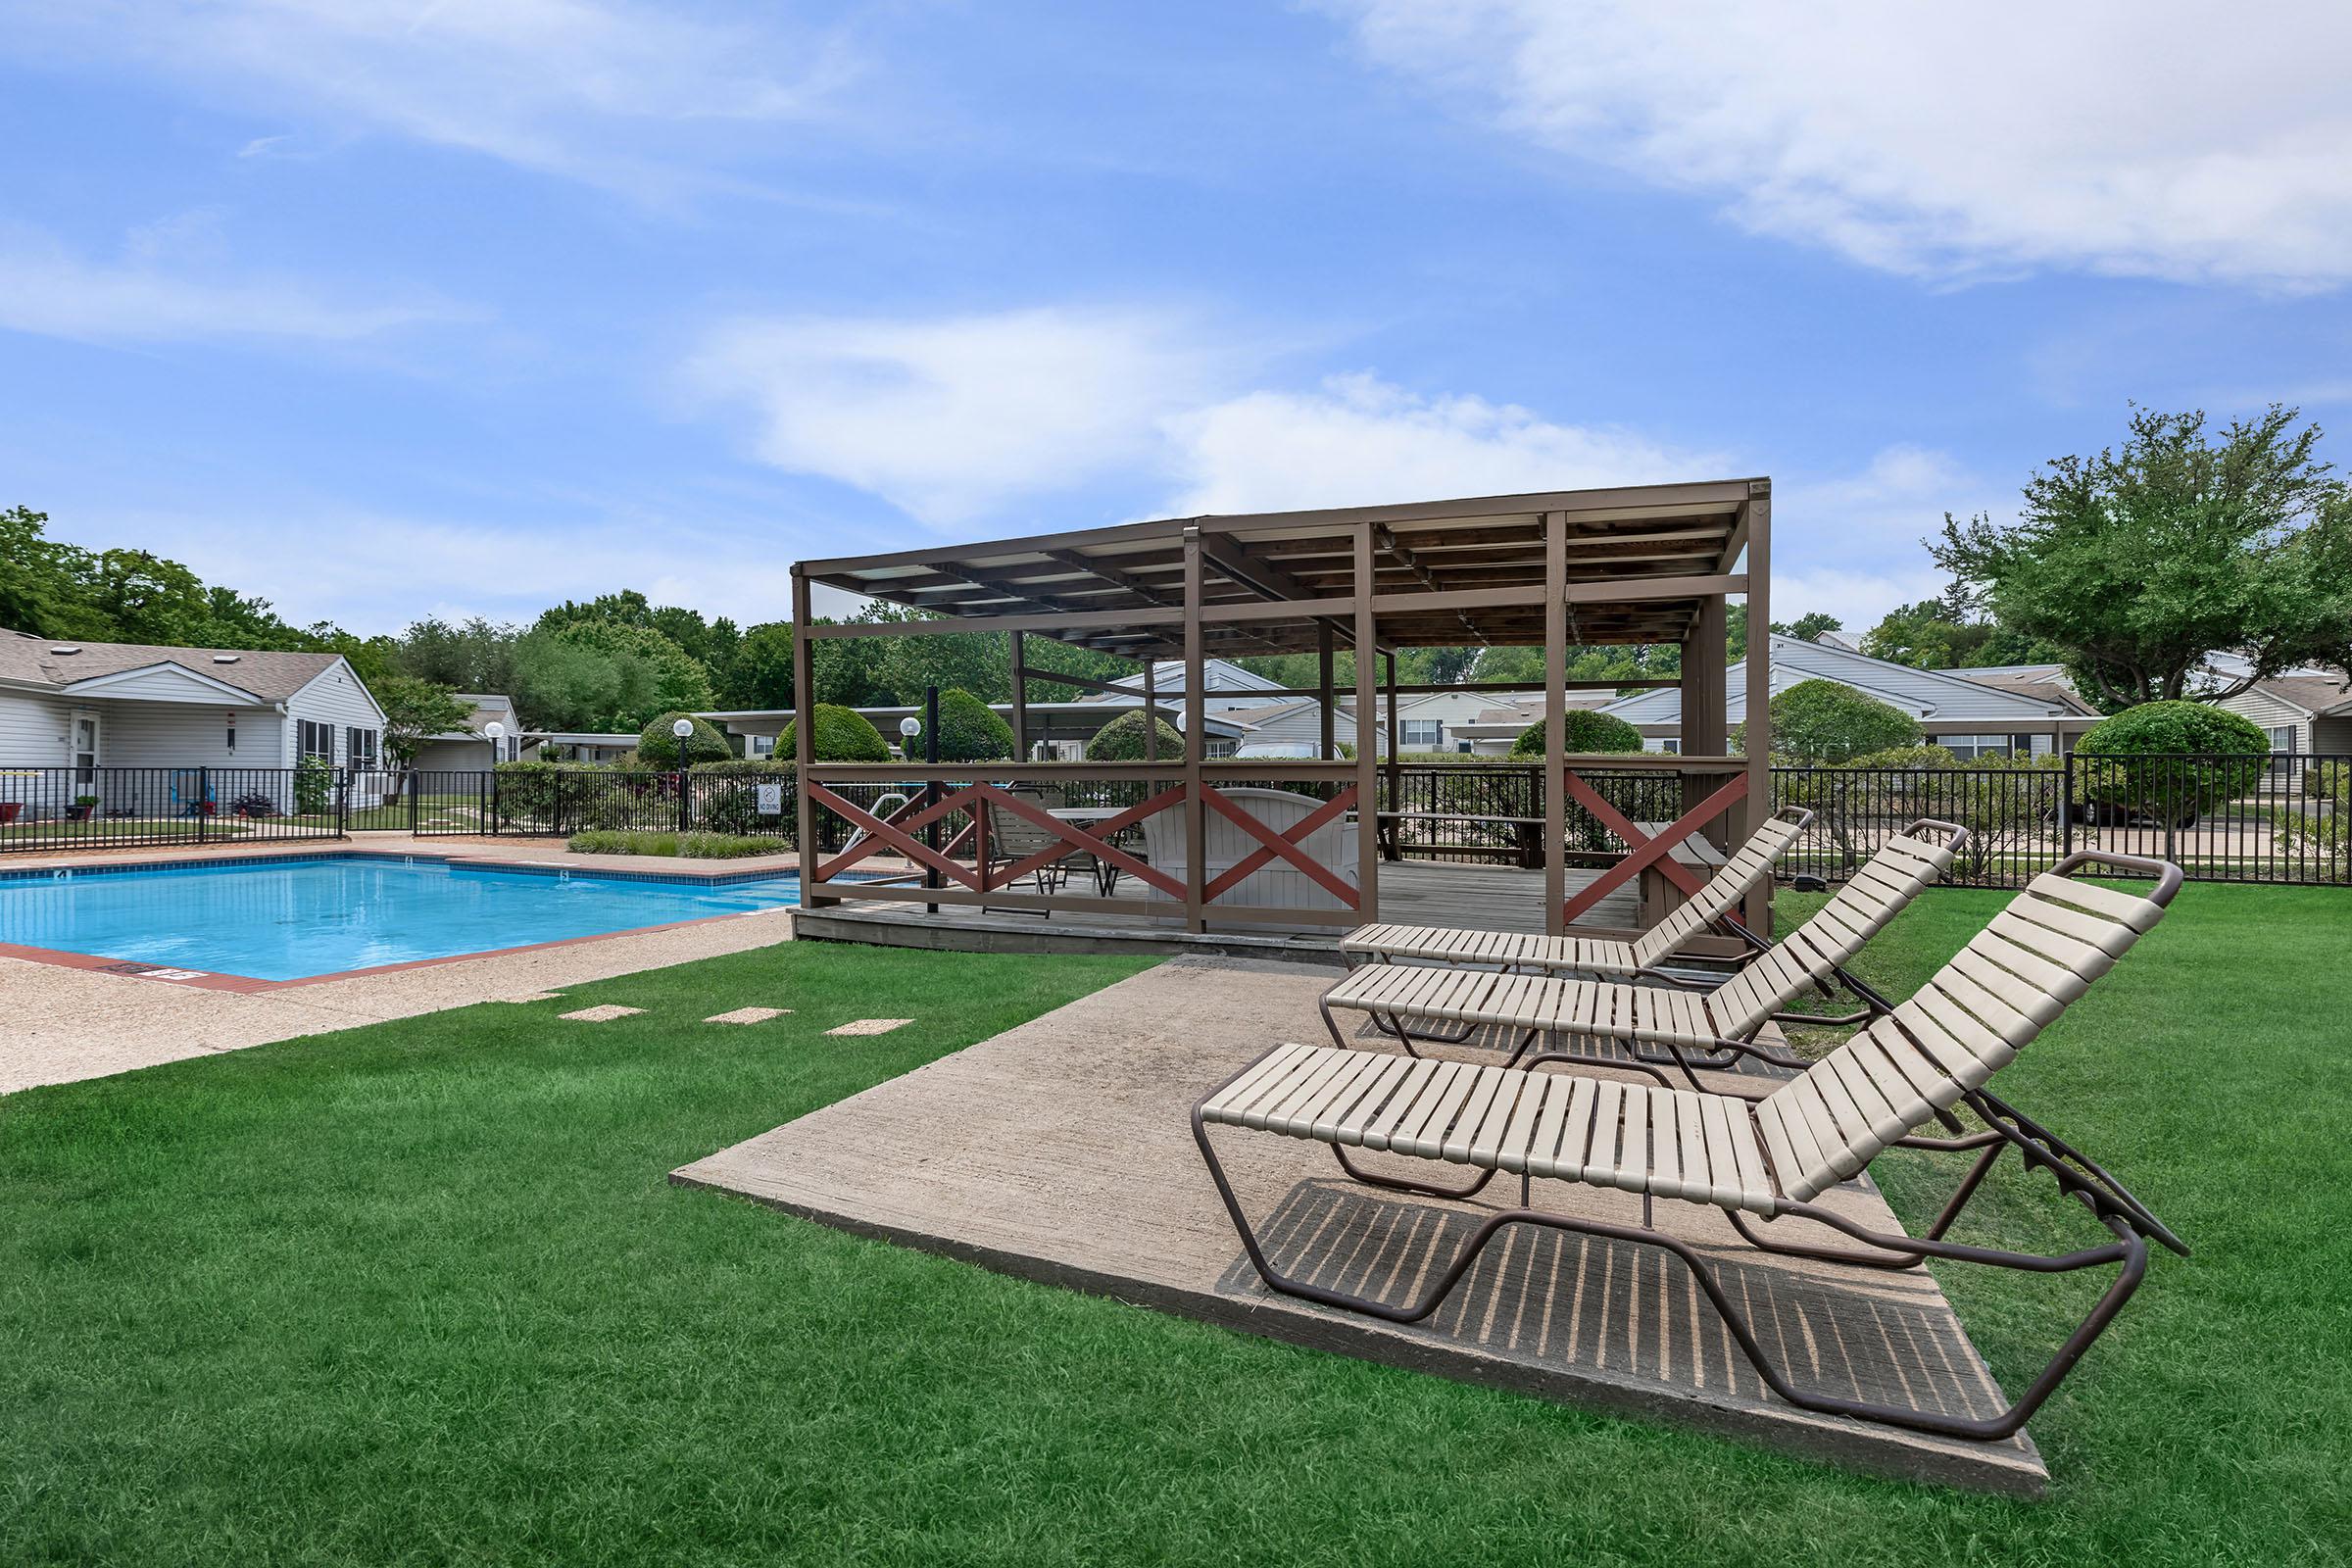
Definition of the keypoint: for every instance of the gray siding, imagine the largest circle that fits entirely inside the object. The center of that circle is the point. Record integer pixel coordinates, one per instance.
(334, 697)
(32, 731)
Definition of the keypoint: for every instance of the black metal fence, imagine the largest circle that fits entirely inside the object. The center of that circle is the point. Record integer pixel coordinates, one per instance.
(52, 808)
(2220, 818)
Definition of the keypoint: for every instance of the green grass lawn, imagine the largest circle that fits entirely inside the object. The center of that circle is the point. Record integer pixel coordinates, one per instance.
(419, 1293)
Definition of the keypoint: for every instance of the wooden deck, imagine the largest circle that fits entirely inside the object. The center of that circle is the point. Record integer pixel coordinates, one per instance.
(1060, 1151)
(1413, 892)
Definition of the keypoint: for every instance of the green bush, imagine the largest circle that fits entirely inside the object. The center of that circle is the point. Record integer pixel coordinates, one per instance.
(1828, 722)
(969, 730)
(526, 790)
(842, 735)
(727, 796)
(314, 783)
(1584, 731)
(690, 846)
(1122, 739)
(2323, 829)
(2135, 760)
(656, 747)
(1905, 756)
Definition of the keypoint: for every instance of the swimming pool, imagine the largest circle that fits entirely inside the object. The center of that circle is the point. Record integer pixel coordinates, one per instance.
(299, 918)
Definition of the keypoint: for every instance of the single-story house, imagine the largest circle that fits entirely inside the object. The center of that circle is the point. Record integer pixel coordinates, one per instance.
(1969, 716)
(471, 748)
(580, 745)
(1058, 731)
(126, 722)
(2306, 712)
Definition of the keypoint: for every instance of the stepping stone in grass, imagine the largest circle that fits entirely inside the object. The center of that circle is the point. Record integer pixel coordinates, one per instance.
(871, 1026)
(748, 1015)
(601, 1014)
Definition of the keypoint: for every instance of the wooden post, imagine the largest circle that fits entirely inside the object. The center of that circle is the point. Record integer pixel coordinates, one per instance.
(1389, 727)
(1196, 875)
(1018, 642)
(1324, 638)
(1759, 689)
(1555, 720)
(803, 738)
(1367, 757)
(1151, 711)
(1707, 711)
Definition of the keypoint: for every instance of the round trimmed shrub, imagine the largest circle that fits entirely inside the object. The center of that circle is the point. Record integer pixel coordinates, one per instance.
(969, 730)
(1122, 739)
(656, 747)
(1584, 730)
(2170, 761)
(842, 735)
(1829, 721)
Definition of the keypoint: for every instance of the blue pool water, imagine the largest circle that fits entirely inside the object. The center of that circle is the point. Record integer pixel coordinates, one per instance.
(290, 920)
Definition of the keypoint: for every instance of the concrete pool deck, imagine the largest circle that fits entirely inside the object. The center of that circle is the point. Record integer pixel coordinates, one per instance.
(62, 1022)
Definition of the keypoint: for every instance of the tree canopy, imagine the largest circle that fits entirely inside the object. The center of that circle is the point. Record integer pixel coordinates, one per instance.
(2141, 563)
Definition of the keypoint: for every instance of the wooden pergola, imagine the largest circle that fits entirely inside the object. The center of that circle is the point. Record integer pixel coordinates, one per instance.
(1651, 564)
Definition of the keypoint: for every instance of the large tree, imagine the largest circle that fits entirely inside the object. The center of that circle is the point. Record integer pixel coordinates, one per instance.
(2141, 563)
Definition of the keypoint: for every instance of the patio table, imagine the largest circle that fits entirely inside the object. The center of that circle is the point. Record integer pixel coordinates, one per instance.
(1107, 876)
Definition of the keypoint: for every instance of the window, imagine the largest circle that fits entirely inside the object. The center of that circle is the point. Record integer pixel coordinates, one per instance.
(2282, 751)
(359, 745)
(317, 741)
(1218, 748)
(1968, 748)
(759, 746)
(1671, 747)
(1421, 734)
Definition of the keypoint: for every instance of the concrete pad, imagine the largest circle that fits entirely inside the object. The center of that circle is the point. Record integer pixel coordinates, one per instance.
(871, 1026)
(603, 1013)
(748, 1015)
(1062, 1151)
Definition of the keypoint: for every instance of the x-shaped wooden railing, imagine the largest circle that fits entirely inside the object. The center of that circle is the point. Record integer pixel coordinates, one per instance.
(898, 831)
(1289, 844)
(1647, 849)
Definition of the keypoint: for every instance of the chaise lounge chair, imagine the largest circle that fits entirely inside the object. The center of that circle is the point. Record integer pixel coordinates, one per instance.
(1721, 1023)
(1761, 1160)
(1517, 951)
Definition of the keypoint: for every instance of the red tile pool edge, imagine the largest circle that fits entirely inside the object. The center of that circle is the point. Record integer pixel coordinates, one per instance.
(203, 980)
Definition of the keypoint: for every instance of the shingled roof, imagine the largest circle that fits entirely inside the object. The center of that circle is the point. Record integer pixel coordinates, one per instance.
(59, 662)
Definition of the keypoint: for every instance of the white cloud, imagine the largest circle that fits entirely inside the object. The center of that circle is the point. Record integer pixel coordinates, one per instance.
(948, 418)
(1358, 440)
(1849, 545)
(46, 289)
(2164, 139)
(567, 85)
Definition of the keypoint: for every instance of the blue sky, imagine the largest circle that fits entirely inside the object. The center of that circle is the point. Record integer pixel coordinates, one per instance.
(383, 308)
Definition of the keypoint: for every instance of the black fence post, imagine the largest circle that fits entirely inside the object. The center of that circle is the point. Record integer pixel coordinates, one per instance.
(486, 784)
(2065, 809)
(203, 801)
(685, 804)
